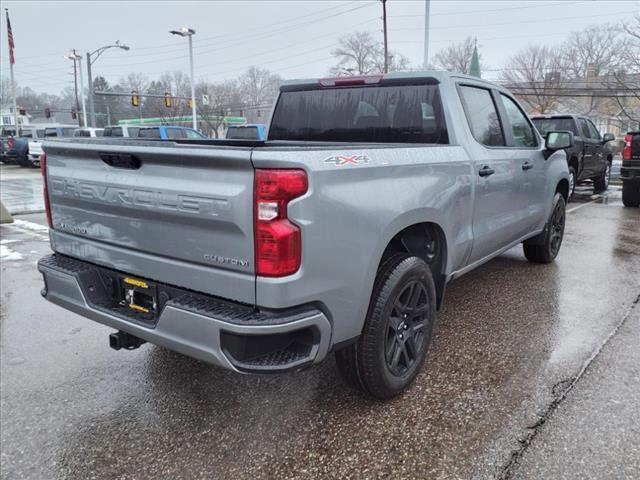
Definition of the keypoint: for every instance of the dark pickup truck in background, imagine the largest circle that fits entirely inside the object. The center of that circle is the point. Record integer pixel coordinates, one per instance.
(630, 170)
(590, 156)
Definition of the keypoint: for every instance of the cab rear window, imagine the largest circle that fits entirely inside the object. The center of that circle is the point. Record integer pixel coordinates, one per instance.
(382, 114)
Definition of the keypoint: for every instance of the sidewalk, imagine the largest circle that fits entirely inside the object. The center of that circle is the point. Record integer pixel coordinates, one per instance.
(595, 432)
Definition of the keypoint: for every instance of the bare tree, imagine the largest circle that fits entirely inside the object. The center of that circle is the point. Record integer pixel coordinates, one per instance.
(535, 72)
(259, 86)
(593, 51)
(360, 54)
(222, 98)
(357, 54)
(457, 57)
(624, 82)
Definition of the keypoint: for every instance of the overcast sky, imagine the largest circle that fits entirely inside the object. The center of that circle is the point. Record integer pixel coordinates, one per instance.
(291, 38)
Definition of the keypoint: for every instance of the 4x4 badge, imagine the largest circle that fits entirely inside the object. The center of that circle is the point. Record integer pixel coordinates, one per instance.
(341, 160)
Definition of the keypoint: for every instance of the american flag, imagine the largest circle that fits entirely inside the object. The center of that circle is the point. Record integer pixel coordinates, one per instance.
(12, 59)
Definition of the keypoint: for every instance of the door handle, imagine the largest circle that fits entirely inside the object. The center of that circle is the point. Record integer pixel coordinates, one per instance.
(486, 171)
(527, 166)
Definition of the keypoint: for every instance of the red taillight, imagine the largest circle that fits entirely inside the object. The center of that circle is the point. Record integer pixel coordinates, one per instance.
(278, 243)
(626, 150)
(45, 189)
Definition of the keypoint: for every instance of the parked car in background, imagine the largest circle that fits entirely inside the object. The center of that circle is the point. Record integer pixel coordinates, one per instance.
(630, 170)
(591, 156)
(35, 137)
(120, 131)
(59, 131)
(13, 150)
(166, 132)
(337, 234)
(257, 131)
(88, 132)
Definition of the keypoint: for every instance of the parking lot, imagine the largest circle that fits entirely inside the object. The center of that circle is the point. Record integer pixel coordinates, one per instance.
(533, 373)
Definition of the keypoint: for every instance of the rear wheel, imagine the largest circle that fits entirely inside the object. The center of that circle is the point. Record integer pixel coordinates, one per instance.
(394, 341)
(631, 194)
(544, 248)
(601, 183)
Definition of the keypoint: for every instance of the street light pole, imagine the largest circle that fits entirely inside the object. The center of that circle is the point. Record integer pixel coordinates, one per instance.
(96, 53)
(190, 32)
(84, 108)
(193, 85)
(92, 112)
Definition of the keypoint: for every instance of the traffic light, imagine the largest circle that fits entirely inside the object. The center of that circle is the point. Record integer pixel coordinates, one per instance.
(190, 103)
(47, 112)
(167, 99)
(22, 110)
(74, 115)
(135, 101)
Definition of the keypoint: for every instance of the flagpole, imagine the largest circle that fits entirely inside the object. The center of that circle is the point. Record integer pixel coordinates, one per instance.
(13, 82)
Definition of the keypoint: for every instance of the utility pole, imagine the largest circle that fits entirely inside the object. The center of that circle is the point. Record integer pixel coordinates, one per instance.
(75, 87)
(384, 23)
(426, 33)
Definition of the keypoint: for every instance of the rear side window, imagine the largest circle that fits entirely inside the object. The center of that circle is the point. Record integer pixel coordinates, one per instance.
(383, 114)
(482, 116)
(521, 130)
(149, 133)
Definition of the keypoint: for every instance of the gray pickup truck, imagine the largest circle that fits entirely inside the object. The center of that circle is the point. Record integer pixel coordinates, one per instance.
(337, 234)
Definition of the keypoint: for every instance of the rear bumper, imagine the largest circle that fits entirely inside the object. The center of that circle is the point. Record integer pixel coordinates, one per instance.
(630, 172)
(229, 335)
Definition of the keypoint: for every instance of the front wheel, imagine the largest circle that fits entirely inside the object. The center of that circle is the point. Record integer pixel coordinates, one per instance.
(601, 183)
(397, 331)
(572, 181)
(544, 248)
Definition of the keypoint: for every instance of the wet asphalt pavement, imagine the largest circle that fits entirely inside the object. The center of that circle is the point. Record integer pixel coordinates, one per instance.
(512, 340)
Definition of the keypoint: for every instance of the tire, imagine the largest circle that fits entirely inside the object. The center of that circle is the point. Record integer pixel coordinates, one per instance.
(573, 178)
(631, 194)
(544, 248)
(601, 183)
(395, 338)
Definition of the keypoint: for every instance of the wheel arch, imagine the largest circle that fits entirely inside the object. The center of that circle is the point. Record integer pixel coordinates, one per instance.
(563, 188)
(426, 240)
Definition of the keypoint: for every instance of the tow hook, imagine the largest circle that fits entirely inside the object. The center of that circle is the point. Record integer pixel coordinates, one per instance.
(124, 340)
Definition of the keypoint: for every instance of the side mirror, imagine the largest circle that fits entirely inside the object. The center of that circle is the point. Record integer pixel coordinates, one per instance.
(608, 137)
(558, 140)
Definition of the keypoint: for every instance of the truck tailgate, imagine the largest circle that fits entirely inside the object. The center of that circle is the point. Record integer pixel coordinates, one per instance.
(178, 214)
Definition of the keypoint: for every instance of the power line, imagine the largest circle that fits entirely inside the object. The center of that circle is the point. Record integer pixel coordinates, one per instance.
(573, 17)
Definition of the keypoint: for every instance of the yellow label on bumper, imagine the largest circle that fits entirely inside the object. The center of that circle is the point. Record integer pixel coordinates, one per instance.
(135, 282)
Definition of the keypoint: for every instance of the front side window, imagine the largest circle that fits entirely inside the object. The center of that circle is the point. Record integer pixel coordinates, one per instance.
(521, 129)
(593, 131)
(174, 133)
(193, 134)
(149, 133)
(584, 128)
(380, 114)
(482, 116)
